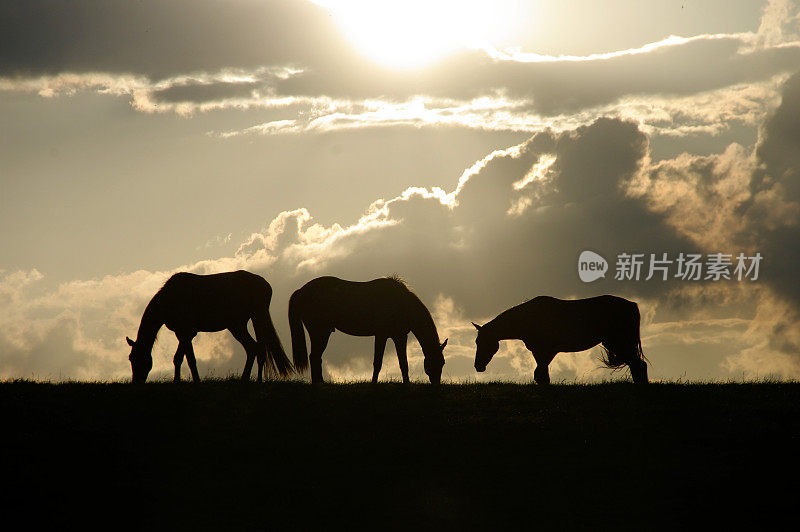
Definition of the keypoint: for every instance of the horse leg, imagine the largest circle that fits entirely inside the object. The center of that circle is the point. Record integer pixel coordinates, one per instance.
(319, 341)
(620, 353)
(261, 359)
(542, 372)
(251, 348)
(189, 351)
(380, 347)
(636, 365)
(177, 361)
(615, 353)
(400, 347)
(638, 369)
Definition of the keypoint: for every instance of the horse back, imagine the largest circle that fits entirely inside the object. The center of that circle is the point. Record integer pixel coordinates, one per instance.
(221, 286)
(578, 324)
(360, 308)
(599, 309)
(213, 302)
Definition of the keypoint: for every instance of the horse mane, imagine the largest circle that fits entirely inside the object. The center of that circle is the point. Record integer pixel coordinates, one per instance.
(149, 310)
(424, 314)
(395, 278)
(170, 280)
(157, 298)
(399, 280)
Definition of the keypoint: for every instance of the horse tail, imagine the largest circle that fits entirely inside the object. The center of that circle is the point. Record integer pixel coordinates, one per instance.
(299, 349)
(276, 355)
(628, 341)
(637, 333)
(610, 358)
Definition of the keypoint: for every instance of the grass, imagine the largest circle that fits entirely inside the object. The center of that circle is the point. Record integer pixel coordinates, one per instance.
(288, 455)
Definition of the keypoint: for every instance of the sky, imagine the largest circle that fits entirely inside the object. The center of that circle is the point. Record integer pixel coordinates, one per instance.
(476, 149)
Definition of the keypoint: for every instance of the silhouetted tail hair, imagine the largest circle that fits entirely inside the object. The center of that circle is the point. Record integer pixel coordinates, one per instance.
(637, 325)
(277, 360)
(299, 349)
(630, 333)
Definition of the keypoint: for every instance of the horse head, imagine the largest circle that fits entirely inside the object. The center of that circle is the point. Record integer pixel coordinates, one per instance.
(141, 361)
(487, 347)
(434, 362)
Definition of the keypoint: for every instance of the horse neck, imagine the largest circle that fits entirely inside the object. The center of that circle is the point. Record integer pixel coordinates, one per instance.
(424, 329)
(504, 327)
(152, 320)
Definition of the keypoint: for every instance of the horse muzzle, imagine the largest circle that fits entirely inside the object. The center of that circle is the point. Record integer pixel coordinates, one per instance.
(479, 368)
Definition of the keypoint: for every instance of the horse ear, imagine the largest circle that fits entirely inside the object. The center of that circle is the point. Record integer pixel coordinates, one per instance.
(130, 342)
(476, 326)
(444, 343)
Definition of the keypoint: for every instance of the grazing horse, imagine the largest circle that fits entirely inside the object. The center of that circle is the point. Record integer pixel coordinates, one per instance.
(549, 326)
(189, 303)
(384, 308)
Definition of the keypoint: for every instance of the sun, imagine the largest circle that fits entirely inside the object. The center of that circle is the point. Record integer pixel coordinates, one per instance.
(413, 33)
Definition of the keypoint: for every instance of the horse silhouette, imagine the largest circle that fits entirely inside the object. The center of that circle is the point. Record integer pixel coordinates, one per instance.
(384, 308)
(189, 303)
(549, 326)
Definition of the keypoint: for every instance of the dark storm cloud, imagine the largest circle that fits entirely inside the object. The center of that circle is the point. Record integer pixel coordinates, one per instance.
(778, 147)
(161, 38)
(560, 86)
(468, 247)
(197, 92)
(488, 258)
(583, 205)
(778, 174)
(750, 202)
(680, 70)
(477, 251)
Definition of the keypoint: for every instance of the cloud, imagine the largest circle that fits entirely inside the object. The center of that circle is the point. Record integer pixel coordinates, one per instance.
(67, 332)
(461, 250)
(517, 55)
(751, 201)
(594, 187)
(161, 39)
(709, 113)
(511, 227)
(780, 23)
(562, 86)
(289, 54)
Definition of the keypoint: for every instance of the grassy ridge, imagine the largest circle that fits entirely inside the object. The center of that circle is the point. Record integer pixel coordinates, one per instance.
(222, 455)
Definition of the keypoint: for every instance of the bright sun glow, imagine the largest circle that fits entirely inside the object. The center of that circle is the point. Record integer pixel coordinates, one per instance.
(413, 33)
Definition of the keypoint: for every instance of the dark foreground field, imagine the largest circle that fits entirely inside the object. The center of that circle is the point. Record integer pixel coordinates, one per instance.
(221, 455)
